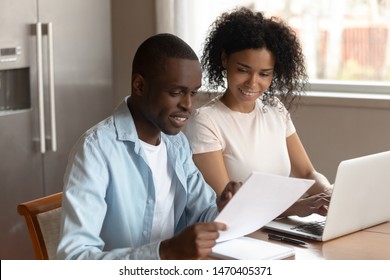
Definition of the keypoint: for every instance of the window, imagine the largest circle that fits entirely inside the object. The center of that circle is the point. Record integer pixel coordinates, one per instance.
(346, 42)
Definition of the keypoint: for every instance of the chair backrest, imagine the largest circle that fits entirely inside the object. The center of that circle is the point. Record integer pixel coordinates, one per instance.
(43, 217)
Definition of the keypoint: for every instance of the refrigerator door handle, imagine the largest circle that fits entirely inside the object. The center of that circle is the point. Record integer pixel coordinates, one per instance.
(51, 88)
(41, 108)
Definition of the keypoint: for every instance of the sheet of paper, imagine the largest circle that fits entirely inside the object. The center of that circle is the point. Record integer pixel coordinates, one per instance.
(261, 198)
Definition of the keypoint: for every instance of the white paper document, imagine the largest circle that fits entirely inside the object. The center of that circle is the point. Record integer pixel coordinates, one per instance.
(261, 198)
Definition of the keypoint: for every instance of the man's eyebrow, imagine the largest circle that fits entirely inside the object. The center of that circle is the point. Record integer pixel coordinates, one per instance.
(184, 87)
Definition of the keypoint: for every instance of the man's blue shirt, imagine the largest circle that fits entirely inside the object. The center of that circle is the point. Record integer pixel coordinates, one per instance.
(109, 199)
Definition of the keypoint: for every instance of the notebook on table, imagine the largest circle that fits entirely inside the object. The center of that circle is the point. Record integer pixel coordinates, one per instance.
(360, 199)
(247, 248)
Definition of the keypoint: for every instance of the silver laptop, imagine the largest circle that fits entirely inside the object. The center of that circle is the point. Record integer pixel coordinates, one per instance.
(360, 199)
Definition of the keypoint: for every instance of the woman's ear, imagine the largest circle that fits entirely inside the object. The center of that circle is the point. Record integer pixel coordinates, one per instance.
(138, 84)
(224, 59)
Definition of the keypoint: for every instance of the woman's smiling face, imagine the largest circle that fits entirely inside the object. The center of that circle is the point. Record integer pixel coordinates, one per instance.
(249, 75)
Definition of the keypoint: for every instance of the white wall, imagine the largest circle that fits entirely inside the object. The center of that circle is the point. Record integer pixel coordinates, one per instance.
(132, 22)
(334, 129)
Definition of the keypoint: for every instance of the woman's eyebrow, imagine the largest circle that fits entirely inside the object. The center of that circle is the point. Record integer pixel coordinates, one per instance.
(247, 66)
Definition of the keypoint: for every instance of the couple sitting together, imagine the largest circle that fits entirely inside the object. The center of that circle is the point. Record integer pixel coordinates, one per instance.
(136, 187)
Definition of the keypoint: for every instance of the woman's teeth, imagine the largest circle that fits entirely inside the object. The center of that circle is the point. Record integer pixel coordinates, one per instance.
(248, 93)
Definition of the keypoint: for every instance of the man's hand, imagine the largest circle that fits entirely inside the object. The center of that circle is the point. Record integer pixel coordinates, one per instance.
(194, 242)
(230, 189)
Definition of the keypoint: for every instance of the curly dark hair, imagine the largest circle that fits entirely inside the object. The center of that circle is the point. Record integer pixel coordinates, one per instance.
(244, 29)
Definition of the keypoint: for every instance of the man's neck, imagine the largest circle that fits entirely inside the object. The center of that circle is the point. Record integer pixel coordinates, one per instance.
(146, 131)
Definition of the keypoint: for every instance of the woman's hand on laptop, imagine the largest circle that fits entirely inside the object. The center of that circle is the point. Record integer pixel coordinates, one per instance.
(329, 190)
(306, 206)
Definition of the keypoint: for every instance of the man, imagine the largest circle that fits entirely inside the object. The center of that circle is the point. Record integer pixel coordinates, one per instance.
(131, 188)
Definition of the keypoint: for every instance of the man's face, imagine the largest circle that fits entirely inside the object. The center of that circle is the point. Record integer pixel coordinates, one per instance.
(169, 95)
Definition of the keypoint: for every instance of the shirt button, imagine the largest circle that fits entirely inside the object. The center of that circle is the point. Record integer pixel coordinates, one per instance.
(145, 232)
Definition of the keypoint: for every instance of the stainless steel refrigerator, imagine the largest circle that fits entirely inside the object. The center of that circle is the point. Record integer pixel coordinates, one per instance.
(55, 82)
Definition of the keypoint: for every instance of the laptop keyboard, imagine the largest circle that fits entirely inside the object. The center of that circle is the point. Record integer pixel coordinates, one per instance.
(316, 228)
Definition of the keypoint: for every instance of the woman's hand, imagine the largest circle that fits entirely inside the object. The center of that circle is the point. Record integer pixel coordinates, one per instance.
(317, 203)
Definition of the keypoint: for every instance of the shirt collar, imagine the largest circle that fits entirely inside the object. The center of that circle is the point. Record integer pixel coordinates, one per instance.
(125, 126)
(124, 123)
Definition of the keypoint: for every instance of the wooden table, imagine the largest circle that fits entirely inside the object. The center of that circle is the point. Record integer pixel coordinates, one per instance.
(369, 244)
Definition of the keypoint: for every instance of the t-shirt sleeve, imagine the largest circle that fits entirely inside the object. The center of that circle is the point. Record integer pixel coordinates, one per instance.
(290, 128)
(202, 133)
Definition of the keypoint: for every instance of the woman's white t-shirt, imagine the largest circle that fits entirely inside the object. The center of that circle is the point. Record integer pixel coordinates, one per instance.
(254, 141)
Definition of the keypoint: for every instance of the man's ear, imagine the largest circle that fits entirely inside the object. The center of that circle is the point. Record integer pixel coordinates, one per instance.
(138, 84)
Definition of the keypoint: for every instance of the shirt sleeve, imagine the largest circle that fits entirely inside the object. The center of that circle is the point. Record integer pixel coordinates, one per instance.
(196, 200)
(203, 135)
(290, 128)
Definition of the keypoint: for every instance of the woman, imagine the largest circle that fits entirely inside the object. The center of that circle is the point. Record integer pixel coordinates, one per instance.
(248, 128)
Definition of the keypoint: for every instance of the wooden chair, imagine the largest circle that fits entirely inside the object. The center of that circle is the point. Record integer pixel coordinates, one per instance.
(43, 217)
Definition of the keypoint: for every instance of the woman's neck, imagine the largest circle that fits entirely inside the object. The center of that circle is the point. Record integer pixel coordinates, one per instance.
(229, 101)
